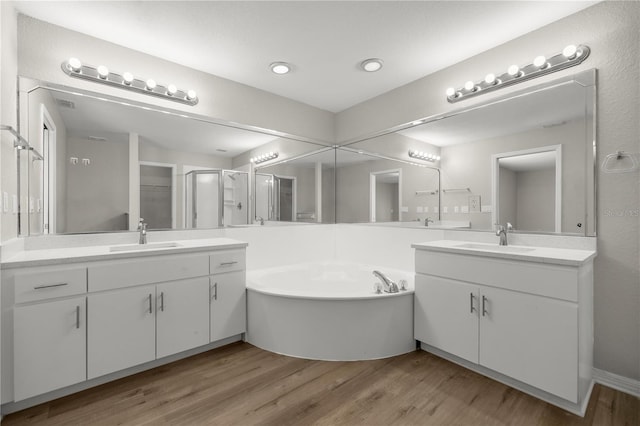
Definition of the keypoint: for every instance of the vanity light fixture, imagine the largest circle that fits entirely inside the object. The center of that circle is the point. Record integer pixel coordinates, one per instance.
(280, 68)
(101, 74)
(424, 156)
(570, 56)
(371, 64)
(264, 157)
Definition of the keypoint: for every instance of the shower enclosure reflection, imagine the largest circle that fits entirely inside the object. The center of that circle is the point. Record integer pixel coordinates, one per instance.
(216, 198)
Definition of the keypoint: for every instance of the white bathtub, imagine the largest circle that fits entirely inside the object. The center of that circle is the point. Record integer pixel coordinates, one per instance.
(329, 311)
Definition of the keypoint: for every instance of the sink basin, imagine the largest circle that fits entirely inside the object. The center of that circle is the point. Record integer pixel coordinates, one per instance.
(499, 248)
(140, 247)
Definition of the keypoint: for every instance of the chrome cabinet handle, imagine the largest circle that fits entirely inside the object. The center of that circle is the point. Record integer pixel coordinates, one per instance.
(162, 301)
(50, 286)
(78, 316)
(484, 310)
(215, 291)
(471, 299)
(228, 263)
(150, 304)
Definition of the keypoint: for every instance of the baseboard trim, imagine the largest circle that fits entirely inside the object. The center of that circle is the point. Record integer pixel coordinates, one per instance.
(617, 382)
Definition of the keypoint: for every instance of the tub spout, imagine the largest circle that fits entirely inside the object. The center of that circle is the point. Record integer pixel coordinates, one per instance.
(389, 286)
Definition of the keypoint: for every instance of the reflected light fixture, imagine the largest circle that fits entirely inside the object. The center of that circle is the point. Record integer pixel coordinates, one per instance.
(73, 67)
(264, 157)
(570, 56)
(372, 64)
(280, 68)
(424, 156)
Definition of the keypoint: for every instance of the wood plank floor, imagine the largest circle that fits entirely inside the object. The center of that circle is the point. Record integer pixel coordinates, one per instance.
(240, 384)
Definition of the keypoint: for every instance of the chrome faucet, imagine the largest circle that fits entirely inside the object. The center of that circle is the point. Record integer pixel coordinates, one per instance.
(427, 220)
(142, 228)
(260, 219)
(502, 233)
(389, 286)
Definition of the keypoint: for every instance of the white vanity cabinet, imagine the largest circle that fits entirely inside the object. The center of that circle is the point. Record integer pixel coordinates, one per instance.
(85, 322)
(228, 294)
(182, 316)
(49, 324)
(525, 322)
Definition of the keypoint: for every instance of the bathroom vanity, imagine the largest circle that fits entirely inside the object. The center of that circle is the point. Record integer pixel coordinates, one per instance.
(520, 315)
(77, 317)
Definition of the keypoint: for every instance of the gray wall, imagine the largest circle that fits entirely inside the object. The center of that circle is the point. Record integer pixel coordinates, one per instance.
(508, 197)
(610, 29)
(98, 194)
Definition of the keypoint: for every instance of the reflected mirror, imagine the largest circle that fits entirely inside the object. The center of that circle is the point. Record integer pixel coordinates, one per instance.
(527, 159)
(386, 191)
(108, 162)
(299, 189)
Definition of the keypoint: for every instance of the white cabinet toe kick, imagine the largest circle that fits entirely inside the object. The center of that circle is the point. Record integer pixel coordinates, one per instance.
(525, 322)
(71, 326)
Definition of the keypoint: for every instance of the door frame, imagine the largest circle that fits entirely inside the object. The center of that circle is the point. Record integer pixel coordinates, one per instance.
(48, 190)
(372, 192)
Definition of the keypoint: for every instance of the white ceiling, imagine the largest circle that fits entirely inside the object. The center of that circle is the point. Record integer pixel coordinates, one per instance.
(323, 40)
(529, 162)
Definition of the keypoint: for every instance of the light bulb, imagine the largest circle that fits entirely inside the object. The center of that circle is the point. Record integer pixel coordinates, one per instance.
(127, 77)
(75, 64)
(103, 72)
(437, 158)
(540, 62)
(570, 51)
(450, 92)
(371, 65)
(490, 79)
(280, 68)
(171, 89)
(151, 84)
(191, 95)
(514, 71)
(469, 85)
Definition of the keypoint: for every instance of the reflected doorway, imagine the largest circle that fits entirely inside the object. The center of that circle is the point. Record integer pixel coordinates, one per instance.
(527, 189)
(284, 189)
(384, 195)
(158, 195)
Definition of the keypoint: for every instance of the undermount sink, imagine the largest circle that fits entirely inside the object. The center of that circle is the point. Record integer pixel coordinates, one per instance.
(139, 247)
(490, 247)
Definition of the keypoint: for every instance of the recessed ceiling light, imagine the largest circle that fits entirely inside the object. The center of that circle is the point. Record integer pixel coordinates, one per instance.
(371, 65)
(280, 67)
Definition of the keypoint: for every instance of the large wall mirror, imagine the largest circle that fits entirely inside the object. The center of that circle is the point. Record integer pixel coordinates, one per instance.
(105, 162)
(526, 159)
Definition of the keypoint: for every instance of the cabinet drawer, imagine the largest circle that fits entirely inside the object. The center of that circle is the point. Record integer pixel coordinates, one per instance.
(227, 261)
(560, 282)
(139, 271)
(48, 283)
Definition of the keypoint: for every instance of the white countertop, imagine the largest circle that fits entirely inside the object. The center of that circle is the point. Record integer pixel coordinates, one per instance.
(558, 256)
(57, 256)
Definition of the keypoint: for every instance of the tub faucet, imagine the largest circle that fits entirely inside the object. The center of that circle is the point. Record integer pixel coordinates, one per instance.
(389, 286)
(427, 220)
(142, 227)
(502, 233)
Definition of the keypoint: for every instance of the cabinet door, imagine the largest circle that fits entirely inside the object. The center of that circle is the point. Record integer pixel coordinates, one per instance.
(121, 329)
(228, 305)
(182, 317)
(532, 339)
(446, 315)
(49, 347)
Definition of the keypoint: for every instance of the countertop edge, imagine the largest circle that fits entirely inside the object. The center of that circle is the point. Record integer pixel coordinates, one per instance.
(508, 256)
(21, 263)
